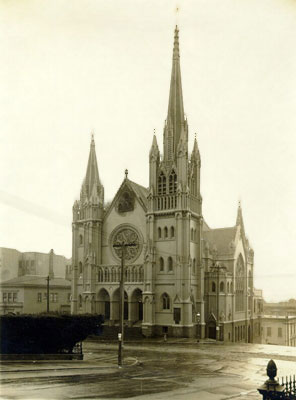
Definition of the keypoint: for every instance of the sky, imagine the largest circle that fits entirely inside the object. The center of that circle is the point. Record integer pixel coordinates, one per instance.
(70, 68)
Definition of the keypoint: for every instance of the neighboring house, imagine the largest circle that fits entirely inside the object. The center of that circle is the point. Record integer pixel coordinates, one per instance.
(181, 276)
(14, 263)
(28, 295)
(27, 291)
(278, 329)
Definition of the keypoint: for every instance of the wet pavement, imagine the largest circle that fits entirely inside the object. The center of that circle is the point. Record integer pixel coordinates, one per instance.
(178, 369)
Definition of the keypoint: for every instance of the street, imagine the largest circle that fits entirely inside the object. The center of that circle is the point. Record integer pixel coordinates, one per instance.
(180, 369)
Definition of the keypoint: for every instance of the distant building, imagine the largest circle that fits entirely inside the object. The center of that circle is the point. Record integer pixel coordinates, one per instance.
(28, 295)
(26, 290)
(181, 277)
(283, 308)
(14, 263)
(278, 329)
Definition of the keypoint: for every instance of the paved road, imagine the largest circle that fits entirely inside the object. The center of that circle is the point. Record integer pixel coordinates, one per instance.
(153, 370)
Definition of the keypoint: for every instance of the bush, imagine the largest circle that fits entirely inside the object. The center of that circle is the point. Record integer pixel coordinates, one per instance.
(46, 333)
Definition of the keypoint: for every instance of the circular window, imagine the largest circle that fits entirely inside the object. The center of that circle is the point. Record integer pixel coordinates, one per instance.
(126, 234)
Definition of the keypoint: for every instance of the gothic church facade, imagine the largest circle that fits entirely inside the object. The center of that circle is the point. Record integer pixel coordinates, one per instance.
(181, 277)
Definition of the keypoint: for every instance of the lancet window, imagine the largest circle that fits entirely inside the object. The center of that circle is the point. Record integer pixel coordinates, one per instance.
(161, 184)
(239, 285)
(172, 182)
(165, 301)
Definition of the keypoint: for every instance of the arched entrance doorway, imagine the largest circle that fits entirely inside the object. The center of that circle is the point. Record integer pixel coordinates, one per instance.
(212, 330)
(136, 306)
(103, 304)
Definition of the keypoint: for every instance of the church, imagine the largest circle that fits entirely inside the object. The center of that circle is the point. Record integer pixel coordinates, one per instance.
(181, 277)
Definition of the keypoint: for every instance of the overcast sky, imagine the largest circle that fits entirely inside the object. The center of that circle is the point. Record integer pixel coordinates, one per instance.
(69, 67)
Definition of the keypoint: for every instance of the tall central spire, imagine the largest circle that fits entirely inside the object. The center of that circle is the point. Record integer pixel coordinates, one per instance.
(175, 118)
(91, 185)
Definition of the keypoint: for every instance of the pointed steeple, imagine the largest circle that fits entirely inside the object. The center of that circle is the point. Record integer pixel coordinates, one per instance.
(175, 118)
(239, 217)
(195, 155)
(154, 151)
(91, 184)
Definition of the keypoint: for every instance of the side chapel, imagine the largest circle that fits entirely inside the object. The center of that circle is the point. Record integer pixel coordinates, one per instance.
(182, 277)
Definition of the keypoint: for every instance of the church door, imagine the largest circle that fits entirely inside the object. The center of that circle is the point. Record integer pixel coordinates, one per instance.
(212, 330)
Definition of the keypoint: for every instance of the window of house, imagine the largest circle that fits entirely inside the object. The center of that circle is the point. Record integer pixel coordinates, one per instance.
(51, 297)
(44, 296)
(280, 332)
(268, 331)
(9, 297)
(170, 264)
(39, 297)
(165, 301)
(161, 264)
(69, 297)
(4, 297)
(14, 297)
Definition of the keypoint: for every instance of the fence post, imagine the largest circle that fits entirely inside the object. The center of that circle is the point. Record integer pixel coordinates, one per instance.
(271, 390)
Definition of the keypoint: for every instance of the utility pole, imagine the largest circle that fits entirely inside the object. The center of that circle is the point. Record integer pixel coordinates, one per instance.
(123, 247)
(47, 297)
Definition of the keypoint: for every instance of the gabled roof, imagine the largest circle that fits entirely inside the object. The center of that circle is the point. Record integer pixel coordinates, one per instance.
(140, 192)
(35, 280)
(220, 238)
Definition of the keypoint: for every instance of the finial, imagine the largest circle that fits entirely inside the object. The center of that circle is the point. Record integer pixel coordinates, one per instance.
(195, 136)
(271, 370)
(92, 134)
(239, 203)
(126, 173)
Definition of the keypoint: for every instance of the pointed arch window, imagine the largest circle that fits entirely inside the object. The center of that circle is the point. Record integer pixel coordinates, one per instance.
(161, 184)
(222, 287)
(80, 268)
(193, 266)
(172, 182)
(170, 264)
(159, 233)
(172, 232)
(165, 301)
(161, 264)
(213, 287)
(80, 301)
(193, 187)
(80, 240)
(165, 232)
